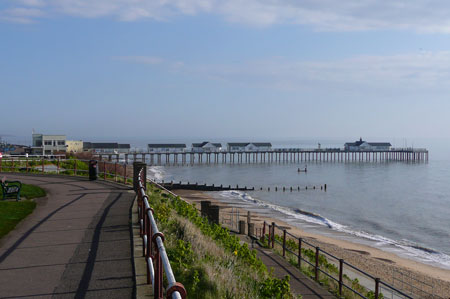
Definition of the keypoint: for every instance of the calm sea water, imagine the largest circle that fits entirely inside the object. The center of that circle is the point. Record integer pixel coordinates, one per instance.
(397, 206)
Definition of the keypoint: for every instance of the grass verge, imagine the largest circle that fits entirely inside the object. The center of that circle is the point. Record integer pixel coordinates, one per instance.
(12, 212)
(209, 261)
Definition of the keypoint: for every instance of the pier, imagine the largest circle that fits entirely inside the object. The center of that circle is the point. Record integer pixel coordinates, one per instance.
(295, 155)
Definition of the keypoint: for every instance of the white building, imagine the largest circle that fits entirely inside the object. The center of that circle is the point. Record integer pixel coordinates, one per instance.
(48, 144)
(367, 146)
(74, 146)
(249, 146)
(166, 148)
(106, 147)
(206, 147)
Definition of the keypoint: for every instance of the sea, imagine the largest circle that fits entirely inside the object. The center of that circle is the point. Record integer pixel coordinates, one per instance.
(399, 207)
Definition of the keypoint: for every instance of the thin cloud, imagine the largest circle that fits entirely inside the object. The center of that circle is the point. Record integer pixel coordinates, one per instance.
(326, 15)
(22, 15)
(422, 72)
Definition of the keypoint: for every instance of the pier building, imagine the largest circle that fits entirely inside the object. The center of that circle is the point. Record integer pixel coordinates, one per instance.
(248, 146)
(106, 147)
(367, 146)
(206, 146)
(166, 147)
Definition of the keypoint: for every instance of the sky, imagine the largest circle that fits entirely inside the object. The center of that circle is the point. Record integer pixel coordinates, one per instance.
(256, 69)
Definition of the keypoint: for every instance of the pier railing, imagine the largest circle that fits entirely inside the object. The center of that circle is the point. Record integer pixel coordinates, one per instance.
(341, 276)
(154, 250)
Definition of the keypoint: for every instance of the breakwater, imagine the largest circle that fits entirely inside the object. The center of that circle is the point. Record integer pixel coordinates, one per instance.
(205, 187)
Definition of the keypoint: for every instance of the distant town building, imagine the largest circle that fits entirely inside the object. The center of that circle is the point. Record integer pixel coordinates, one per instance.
(166, 147)
(106, 147)
(362, 145)
(14, 149)
(74, 146)
(48, 144)
(206, 146)
(249, 146)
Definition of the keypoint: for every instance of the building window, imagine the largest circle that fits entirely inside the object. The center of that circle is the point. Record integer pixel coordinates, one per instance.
(38, 143)
(61, 142)
(47, 142)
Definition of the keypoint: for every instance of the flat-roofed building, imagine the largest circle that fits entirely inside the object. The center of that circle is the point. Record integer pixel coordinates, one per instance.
(362, 145)
(249, 146)
(166, 147)
(48, 144)
(74, 146)
(206, 147)
(106, 147)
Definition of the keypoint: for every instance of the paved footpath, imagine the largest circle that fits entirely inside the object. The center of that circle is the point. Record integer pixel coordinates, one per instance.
(76, 244)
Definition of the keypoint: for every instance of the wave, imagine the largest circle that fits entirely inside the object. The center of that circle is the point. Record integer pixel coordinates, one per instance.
(407, 248)
(156, 173)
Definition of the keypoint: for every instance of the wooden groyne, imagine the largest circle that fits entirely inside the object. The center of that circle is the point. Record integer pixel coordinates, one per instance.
(273, 156)
(205, 187)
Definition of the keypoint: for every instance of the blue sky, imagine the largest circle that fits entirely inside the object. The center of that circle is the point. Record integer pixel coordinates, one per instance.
(208, 68)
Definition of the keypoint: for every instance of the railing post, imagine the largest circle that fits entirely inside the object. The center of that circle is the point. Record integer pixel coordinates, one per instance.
(75, 167)
(125, 174)
(264, 231)
(12, 164)
(57, 166)
(115, 171)
(341, 268)
(273, 234)
(104, 170)
(377, 286)
(43, 164)
(269, 239)
(284, 243)
(316, 268)
(27, 163)
(300, 253)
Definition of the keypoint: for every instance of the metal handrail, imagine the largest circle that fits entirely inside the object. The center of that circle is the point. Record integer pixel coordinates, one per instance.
(154, 250)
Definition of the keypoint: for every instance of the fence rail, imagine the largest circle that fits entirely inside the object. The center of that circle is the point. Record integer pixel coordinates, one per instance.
(344, 273)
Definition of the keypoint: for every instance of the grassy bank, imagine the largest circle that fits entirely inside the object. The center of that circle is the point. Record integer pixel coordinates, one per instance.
(209, 261)
(12, 212)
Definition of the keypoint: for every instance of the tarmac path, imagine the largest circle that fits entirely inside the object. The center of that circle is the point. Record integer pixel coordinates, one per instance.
(76, 244)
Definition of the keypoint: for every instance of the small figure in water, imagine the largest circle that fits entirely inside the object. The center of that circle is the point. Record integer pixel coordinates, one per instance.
(303, 170)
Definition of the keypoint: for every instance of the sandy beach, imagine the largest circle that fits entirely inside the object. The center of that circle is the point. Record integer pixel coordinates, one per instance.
(374, 261)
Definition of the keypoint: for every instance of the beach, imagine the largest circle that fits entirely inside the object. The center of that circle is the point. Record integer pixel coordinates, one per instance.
(374, 261)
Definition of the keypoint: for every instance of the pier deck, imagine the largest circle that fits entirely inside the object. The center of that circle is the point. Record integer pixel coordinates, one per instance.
(295, 155)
